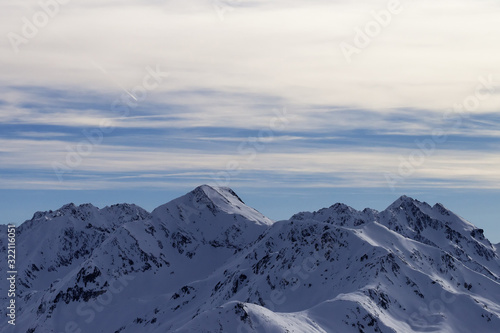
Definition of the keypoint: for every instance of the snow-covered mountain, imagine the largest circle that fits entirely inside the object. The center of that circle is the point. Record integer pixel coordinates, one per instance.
(206, 262)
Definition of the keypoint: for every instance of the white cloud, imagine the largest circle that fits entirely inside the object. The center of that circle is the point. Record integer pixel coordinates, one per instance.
(229, 73)
(423, 59)
(353, 167)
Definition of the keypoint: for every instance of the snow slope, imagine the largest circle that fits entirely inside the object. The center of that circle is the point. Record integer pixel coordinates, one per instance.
(206, 262)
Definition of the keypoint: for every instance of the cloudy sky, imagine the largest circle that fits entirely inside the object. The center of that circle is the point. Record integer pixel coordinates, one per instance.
(294, 104)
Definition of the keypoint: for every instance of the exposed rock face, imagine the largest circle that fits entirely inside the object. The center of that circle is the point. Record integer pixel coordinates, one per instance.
(206, 262)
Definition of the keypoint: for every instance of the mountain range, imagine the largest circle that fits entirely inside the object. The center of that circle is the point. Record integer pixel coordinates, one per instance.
(207, 262)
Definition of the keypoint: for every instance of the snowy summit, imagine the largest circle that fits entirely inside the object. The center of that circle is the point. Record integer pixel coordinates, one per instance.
(206, 262)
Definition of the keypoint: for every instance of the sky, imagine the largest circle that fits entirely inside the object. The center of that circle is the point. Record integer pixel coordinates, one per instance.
(296, 105)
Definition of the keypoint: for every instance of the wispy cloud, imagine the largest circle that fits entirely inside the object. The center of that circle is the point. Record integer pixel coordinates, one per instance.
(347, 124)
(132, 166)
(286, 49)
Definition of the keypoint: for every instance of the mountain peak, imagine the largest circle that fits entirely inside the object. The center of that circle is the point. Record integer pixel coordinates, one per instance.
(342, 207)
(68, 206)
(216, 193)
(67, 209)
(214, 199)
(87, 214)
(206, 262)
(405, 198)
(404, 201)
(222, 199)
(441, 208)
(215, 215)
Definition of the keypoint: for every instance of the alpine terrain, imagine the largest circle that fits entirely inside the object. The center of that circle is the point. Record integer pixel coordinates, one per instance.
(206, 262)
